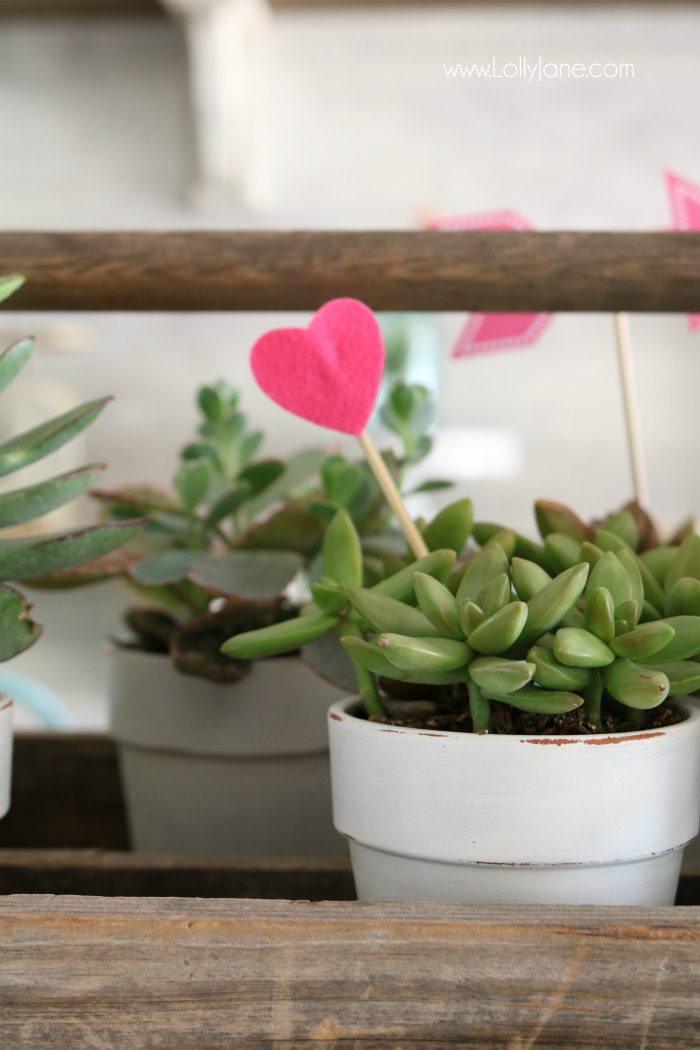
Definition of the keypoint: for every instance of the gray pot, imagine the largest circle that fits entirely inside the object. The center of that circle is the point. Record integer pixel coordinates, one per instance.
(224, 769)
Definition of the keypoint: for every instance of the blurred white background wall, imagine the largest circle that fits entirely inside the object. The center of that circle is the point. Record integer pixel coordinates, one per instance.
(367, 131)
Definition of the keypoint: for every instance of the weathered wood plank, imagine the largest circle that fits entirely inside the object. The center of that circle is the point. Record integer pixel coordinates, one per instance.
(66, 792)
(97, 973)
(154, 7)
(389, 270)
(106, 873)
(119, 874)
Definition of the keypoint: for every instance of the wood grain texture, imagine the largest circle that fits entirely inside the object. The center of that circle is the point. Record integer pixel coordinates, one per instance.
(120, 874)
(99, 973)
(106, 873)
(185, 271)
(154, 7)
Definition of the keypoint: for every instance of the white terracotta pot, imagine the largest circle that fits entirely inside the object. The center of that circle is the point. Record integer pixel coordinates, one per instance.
(435, 816)
(5, 752)
(238, 769)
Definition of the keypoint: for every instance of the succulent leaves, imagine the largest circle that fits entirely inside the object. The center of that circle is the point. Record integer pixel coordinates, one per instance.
(541, 640)
(40, 555)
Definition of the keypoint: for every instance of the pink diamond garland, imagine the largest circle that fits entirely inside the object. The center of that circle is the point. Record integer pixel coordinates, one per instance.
(488, 333)
(685, 206)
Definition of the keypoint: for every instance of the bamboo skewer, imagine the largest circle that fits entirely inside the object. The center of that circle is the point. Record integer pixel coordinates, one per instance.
(392, 495)
(631, 404)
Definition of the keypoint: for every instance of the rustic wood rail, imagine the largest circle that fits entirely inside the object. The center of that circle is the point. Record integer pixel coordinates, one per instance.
(169, 973)
(154, 7)
(177, 271)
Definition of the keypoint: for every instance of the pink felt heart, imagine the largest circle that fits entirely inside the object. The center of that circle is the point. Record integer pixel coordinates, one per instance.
(328, 373)
(685, 204)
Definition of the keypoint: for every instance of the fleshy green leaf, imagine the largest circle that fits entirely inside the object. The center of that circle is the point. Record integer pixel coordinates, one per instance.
(685, 642)
(438, 604)
(34, 444)
(528, 578)
(563, 551)
(494, 674)
(300, 468)
(284, 637)
(451, 527)
(9, 284)
(401, 584)
(683, 598)
(432, 485)
(624, 526)
(192, 481)
(600, 613)
(341, 480)
(291, 528)
(576, 647)
(17, 630)
(685, 563)
(635, 686)
(499, 631)
(259, 476)
(608, 572)
(658, 561)
(389, 615)
(483, 567)
(540, 701)
(644, 641)
(13, 360)
(548, 606)
(30, 559)
(246, 574)
(372, 658)
(331, 661)
(683, 676)
(210, 403)
(550, 674)
(485, 531)
(227, 504)
(33, 502)
(418, 655)
(556, 517)
(163, 568)
(329, 596)
(342, 551)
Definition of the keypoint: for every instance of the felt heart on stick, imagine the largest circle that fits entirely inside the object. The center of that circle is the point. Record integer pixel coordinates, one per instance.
(328, 373)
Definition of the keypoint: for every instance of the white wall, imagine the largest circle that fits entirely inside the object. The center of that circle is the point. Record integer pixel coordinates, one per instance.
(94, 133)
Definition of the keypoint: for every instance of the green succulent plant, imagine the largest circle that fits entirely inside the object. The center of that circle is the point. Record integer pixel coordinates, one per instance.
(240, 531)
(330, 613)
(594, 634)
(28, 558)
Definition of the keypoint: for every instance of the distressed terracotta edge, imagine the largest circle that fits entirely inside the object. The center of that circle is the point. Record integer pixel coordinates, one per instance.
(691, 711)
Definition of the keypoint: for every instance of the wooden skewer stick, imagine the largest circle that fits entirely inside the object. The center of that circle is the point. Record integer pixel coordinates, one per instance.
(392, 495)
(631, 403)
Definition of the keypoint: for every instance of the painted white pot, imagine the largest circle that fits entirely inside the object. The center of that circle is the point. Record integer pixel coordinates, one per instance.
(435, 816)
(5, 752)
(238, 769)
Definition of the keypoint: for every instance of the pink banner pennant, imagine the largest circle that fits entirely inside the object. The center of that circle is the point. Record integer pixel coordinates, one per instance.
(487, 333)
(685, 207)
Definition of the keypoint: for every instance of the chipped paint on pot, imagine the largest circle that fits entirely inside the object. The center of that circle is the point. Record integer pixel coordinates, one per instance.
(6, 709)
(488, 819)
(238, 769)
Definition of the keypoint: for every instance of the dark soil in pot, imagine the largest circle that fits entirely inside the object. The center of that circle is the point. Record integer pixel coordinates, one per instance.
(446, 709)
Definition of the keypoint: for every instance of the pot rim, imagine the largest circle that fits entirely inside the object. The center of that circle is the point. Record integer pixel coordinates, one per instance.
(342, 710)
